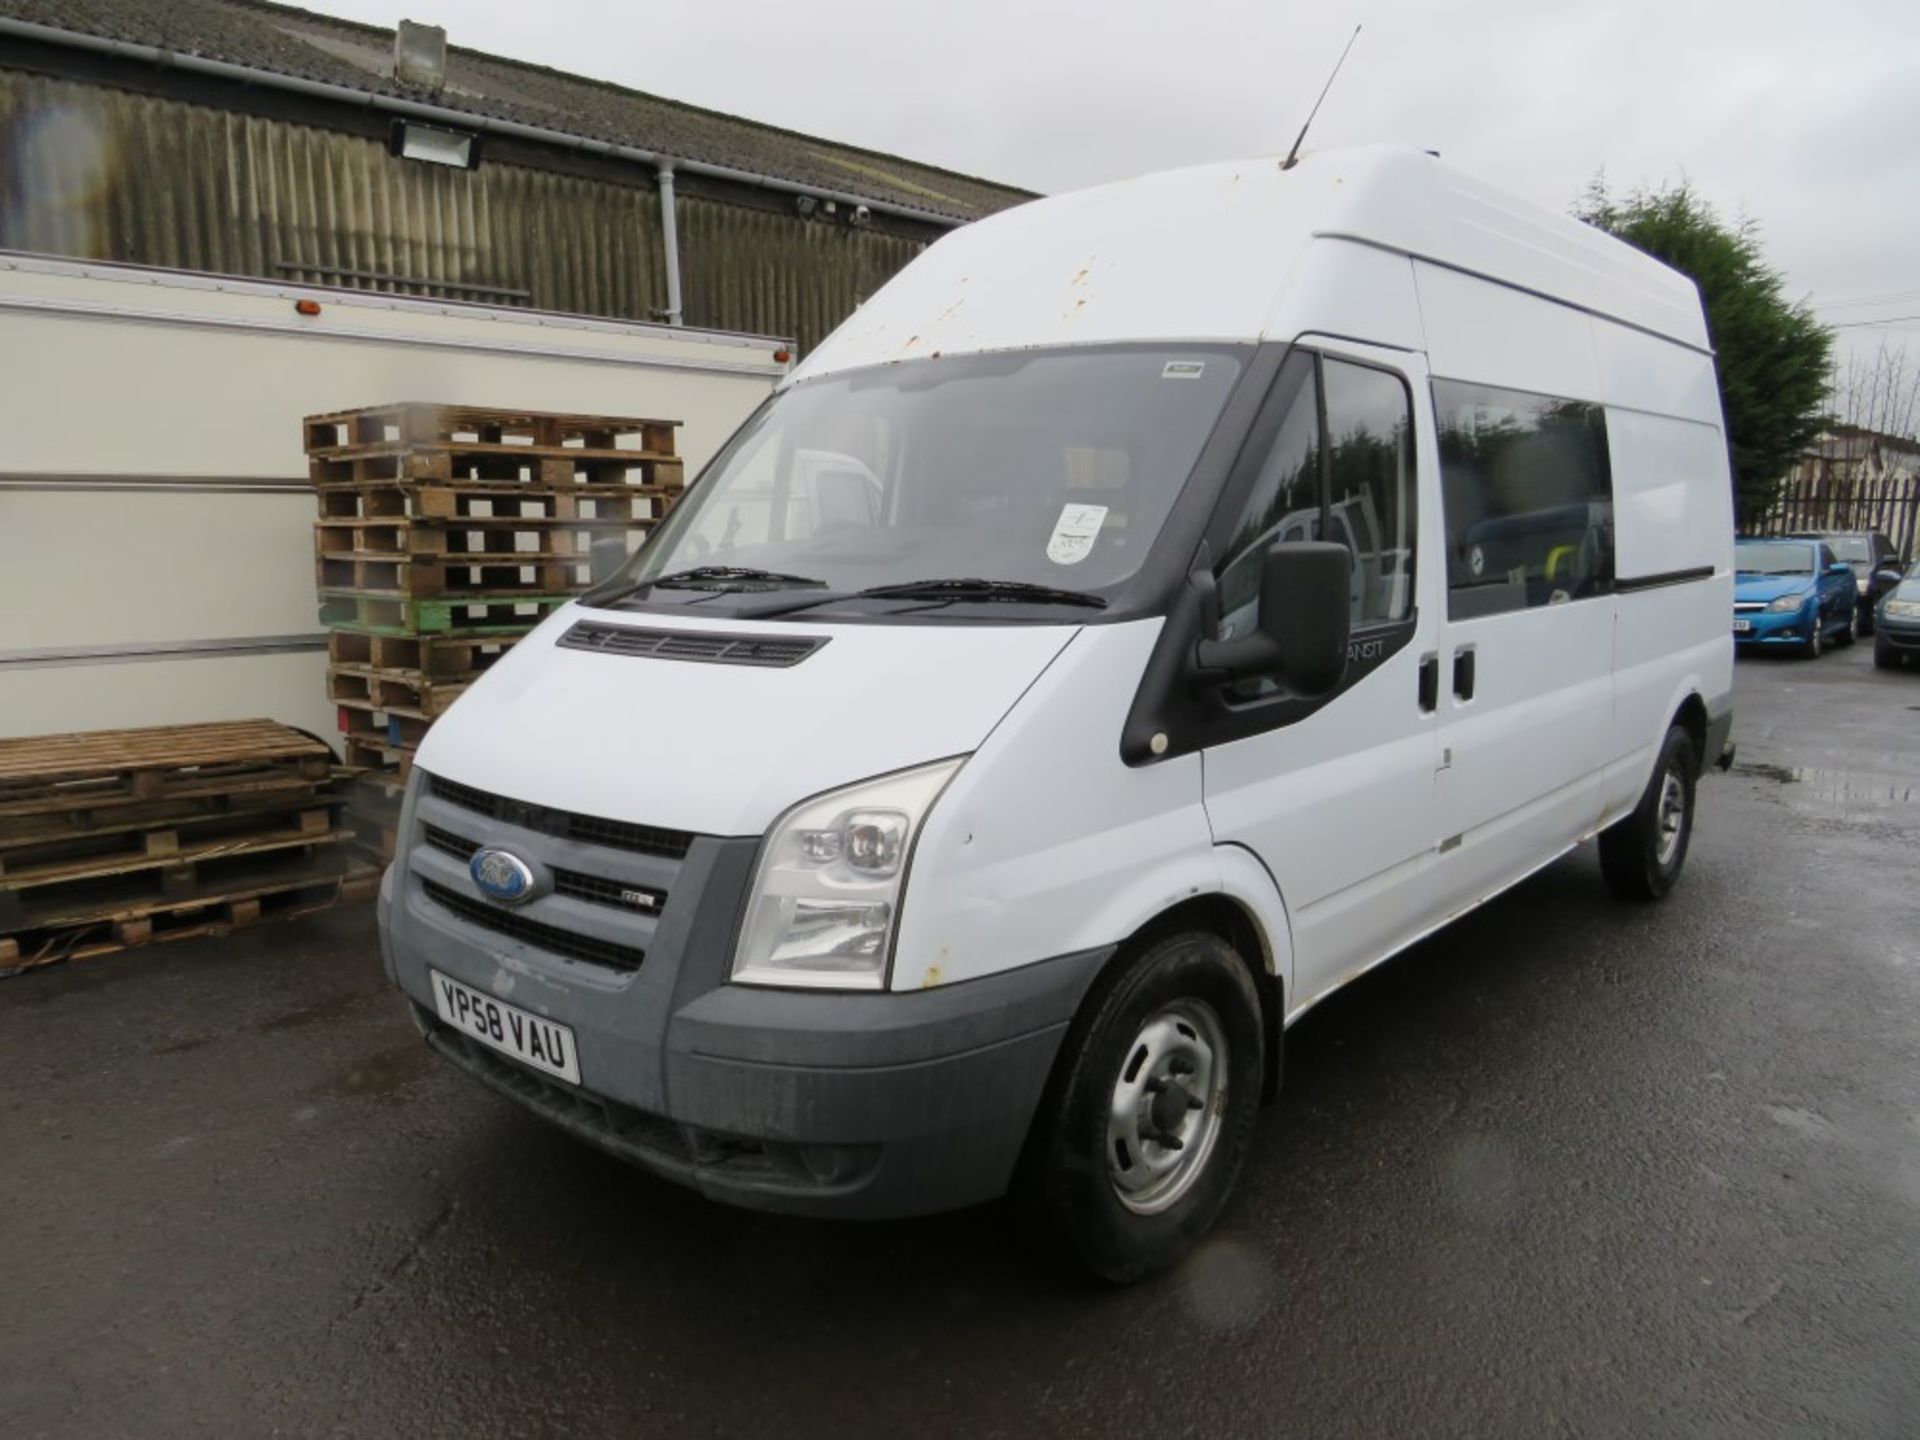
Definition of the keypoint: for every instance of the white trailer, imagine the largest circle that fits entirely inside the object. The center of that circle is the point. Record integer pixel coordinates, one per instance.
(156, 525)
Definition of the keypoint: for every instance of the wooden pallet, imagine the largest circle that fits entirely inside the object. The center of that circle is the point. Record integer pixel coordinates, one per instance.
(482, 538)
(430, 576)
(375, 613)
(375, 753)
(84, 923)
(373, 814)
(365, 465)
(176, 852)
(422, 422)
(637, 504)
(436, 658)
(49, 773)
(381, 725)
(405, 691)
(20, 832)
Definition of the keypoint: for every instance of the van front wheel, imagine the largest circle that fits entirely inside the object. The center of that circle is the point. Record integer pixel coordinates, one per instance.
(1151, 1110)
(1641, 855)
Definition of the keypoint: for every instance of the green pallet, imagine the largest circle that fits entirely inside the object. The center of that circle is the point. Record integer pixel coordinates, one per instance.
(386, 614)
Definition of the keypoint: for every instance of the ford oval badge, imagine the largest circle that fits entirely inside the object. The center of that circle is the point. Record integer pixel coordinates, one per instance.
(501, 875)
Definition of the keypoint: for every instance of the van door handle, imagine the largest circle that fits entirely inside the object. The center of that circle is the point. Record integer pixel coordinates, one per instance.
(1463, 673)
(1429, 683)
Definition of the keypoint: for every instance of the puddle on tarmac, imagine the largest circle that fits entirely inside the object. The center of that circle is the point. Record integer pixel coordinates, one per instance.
(317, 1013)
(181, 1047)
(1852, 787)
(380, 1076)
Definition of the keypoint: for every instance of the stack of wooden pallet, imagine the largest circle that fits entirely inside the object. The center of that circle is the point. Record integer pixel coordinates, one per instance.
(120, 837)
(445, 534)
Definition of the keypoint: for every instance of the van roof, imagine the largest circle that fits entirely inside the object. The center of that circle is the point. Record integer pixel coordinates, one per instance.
(1210, 253)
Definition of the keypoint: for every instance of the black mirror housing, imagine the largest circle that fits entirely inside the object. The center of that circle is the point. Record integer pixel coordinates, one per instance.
(1304, 620)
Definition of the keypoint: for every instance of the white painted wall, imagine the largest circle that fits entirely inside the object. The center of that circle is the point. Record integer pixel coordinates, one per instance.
(113, 379)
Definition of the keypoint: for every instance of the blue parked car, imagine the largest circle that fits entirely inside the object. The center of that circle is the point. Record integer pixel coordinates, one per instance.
(1792, 593)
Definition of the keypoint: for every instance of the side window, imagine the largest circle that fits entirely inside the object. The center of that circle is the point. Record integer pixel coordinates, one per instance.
(1355, 487)
(1370, 497)
(1284, 503)
(1527, 496)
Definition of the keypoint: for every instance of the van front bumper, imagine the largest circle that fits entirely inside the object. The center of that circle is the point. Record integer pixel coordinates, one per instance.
(855, 1104)
(859, 1106)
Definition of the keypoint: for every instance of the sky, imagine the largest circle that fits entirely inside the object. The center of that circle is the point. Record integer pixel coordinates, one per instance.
(1803, 118)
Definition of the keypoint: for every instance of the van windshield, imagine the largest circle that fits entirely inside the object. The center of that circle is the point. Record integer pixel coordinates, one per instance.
(1784, 558)
(1051, 468)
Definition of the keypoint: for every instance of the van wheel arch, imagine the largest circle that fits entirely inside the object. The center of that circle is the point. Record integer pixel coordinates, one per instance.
(1225, 917)
(1692, 717)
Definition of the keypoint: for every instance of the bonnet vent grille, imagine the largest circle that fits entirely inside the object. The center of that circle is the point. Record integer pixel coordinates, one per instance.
(706, 646)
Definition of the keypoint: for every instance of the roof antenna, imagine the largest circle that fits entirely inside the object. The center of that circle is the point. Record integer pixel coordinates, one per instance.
(1293, 155)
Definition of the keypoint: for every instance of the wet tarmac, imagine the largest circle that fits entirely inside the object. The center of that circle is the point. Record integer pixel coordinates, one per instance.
(1570, 1167)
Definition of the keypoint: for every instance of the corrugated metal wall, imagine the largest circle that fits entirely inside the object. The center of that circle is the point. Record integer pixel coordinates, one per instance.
(106, 174)
(775, 274)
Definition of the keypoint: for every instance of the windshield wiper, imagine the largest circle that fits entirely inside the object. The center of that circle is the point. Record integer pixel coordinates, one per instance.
(968, 588)
(722, 577)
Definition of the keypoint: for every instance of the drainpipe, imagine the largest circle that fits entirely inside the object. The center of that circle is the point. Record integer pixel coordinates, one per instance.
(670, 244)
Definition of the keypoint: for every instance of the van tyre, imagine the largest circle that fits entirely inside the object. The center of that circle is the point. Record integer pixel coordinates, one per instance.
(1641, 855)
(1151, 1108)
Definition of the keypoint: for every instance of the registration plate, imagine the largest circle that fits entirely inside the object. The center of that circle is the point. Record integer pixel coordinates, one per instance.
(1741, 627)
(544, 1044)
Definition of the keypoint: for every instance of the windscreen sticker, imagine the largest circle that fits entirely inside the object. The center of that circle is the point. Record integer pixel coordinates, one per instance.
(1183, 369)
(1074, 533)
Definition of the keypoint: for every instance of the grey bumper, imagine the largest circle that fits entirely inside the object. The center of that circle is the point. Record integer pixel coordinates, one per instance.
(862, 1107)
(850, 1104)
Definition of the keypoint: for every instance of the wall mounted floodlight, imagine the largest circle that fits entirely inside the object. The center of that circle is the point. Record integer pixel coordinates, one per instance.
(434, 145)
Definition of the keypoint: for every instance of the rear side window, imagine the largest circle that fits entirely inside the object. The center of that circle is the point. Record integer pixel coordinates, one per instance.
(1527, 495)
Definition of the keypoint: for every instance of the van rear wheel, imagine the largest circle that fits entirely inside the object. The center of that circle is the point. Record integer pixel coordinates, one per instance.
(1641, 855)
(1151, 1109)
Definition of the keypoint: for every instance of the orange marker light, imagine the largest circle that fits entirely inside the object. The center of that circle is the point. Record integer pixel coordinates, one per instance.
(781, 357)
(307, 307)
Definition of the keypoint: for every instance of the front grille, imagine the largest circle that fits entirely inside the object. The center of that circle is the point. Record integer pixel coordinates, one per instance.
(773, 651)
(446, 840)
(588, 829)
(622, 895)
(638, 899)
(547, 937)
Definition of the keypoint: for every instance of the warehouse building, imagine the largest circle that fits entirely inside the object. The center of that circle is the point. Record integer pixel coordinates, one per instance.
(258, 140)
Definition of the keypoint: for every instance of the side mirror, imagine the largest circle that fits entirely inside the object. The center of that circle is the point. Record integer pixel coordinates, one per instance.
(1304, 619)
(606, 557)
(1839, 567)
(1887, 576)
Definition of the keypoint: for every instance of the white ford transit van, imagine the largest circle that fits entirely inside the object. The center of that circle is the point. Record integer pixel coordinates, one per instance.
(1155, 607)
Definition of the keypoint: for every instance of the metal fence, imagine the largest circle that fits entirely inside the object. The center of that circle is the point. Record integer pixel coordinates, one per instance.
(1888, 503)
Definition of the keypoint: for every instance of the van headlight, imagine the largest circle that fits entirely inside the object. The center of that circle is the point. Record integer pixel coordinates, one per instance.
(826, 894)
(1791, 602)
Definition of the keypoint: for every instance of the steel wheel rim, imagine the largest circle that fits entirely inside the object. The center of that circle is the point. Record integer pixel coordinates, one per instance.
(1671, 816)
(1168, 1106)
